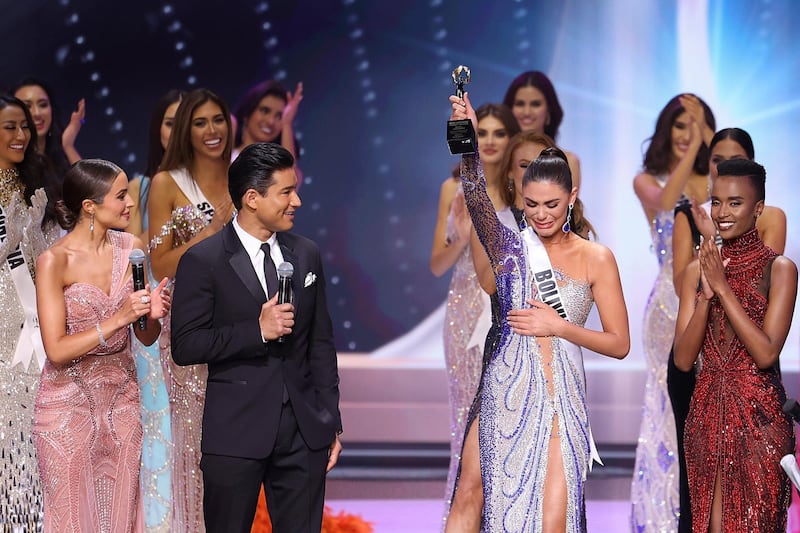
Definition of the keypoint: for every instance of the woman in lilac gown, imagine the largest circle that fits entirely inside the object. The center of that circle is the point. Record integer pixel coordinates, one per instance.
(533, 435)
(87, 424)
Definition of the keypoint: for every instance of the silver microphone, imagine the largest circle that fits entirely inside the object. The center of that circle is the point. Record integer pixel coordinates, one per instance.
(285, 272)
(789, 465)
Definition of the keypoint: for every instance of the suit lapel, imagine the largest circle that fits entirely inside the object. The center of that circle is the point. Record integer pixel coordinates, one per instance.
(241, 264)
(287, 249)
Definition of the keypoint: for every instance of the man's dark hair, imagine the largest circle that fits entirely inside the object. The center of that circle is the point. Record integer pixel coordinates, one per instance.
(747, 169)
(254, 169)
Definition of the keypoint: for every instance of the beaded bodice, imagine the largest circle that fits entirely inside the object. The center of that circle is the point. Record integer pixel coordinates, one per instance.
(9, 184)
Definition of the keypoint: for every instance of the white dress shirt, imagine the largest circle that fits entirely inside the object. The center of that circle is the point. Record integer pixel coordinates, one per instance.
(253, 248)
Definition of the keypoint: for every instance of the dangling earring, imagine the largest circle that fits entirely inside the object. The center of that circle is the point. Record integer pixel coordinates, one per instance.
(91, 225)
(566, 228)
(510, 184)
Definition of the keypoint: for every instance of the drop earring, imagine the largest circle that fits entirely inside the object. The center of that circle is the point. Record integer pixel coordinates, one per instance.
(91, 225)
(510, 183)
(566, 227)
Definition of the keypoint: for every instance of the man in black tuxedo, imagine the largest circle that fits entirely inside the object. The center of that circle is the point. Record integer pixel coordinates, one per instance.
(272, 402)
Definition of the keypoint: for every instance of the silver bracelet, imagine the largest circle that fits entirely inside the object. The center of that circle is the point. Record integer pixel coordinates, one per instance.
(103, 342)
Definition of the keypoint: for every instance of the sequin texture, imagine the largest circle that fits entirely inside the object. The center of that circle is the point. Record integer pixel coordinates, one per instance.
(526, 387)
(20, 488)
(736, 426)
(87, 425)
(654, 489)
(186, 388)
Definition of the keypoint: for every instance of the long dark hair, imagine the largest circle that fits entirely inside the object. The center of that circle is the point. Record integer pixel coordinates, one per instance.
(658, 156)
(737, 135)
(179, 150)
(539, 80)
(502, 113)
(155, 152)
(56, 162)
(552, 166)
(32, 169)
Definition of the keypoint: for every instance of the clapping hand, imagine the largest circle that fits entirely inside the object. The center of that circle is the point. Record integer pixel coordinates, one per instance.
(16, 213)
(703, 222)
(292, 104)
(539, 320)
(712, 270)
(160, 300)
(76, 120)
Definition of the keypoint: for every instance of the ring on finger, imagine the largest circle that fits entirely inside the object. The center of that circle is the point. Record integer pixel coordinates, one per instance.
(145, 299)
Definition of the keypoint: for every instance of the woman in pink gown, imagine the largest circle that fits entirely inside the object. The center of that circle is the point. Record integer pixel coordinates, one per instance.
(87, 425)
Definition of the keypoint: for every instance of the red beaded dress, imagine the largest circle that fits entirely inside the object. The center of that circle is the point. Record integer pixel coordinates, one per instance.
(736, 425)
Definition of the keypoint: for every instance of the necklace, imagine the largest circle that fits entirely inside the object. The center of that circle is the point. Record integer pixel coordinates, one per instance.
(9, 184)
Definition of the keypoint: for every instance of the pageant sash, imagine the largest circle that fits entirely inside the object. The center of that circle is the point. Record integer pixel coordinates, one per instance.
(547, 288)
(30, 338)
(193, 193)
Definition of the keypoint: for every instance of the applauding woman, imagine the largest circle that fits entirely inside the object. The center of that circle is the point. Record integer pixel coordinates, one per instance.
(533, 436)
(87, 425)
(736, 432)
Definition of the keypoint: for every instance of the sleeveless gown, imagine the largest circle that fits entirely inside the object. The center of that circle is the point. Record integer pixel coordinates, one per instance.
(466, 323)
(186, 385)
(87, 426)
(654, 488)
(20, 487)
(157, 447)
(517, 405)
(736, 425)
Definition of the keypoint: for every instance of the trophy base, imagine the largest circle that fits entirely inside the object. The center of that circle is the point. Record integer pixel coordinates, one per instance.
(461, 137)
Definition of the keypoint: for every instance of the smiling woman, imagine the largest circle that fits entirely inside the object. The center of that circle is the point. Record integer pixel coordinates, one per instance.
(189, 202)
(22, 220)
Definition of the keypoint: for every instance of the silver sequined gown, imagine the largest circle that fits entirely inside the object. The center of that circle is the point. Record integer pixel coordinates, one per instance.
(20, 488)
(186, 387)
(654, 489)
(517, 405)
(467, 312)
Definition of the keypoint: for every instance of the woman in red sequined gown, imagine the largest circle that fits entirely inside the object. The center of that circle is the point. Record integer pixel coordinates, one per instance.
(87, 425)
(736, 306)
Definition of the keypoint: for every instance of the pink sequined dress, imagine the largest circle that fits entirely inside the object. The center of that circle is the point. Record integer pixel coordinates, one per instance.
(736, 427)
(87, 425)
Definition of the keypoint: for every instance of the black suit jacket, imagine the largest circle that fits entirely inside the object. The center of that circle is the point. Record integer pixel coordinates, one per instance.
(215, 307)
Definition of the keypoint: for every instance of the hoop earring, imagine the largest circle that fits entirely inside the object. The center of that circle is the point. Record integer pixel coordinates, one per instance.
(566, 227)
(91, 225)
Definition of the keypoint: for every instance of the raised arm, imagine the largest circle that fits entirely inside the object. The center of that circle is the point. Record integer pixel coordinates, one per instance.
(655, 198)
(491, 232)
(448, 245)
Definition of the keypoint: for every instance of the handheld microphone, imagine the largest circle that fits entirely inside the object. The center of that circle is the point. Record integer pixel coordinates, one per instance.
(792, 408)
(789, 465)
(285, 272)
(136, 258)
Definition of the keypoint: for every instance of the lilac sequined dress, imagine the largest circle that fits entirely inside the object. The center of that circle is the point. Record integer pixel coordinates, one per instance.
(526, 386)
(87, 427)
(654, 488)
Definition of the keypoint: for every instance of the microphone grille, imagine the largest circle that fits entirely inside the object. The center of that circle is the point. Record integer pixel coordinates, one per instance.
(285, 270)
(136, 256)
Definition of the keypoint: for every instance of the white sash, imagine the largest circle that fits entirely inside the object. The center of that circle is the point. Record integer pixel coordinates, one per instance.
(30, 338)
(547, 288)
(193, 193)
